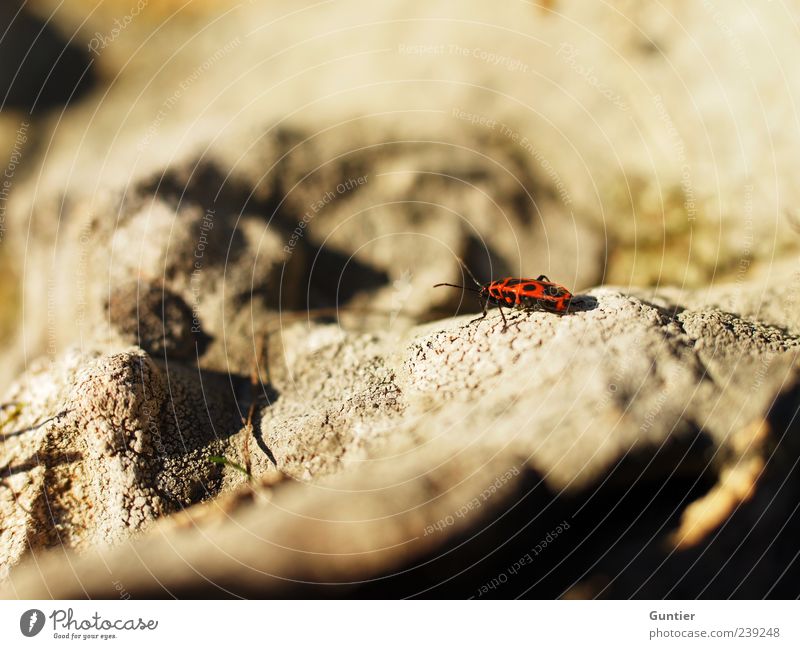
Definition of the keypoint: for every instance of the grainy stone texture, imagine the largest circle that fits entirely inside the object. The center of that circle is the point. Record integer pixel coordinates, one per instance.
(172, 225)
(395, 448)
(101, 444)
(619, 364)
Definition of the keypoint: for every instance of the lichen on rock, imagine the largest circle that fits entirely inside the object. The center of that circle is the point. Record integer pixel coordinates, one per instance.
(105, 443)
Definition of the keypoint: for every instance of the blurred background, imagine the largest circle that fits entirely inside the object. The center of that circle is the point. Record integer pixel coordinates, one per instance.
(634, 144)
(177, 173)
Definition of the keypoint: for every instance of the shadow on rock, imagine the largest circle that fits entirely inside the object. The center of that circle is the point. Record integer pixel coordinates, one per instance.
(602, 541)
(580, 303)
(41, 70)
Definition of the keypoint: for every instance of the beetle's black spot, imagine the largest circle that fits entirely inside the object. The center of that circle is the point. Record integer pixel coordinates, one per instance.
(552, 290)
(514, 282)
(530, 287)
(549, 305)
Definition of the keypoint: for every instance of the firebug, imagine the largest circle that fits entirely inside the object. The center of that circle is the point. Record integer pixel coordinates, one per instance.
(518, 293)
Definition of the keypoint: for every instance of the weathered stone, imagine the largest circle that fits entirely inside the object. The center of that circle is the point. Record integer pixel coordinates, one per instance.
(102, 444)
(399, 446)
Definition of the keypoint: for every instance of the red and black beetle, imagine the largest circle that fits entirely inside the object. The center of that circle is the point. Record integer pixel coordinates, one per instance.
(518, 293)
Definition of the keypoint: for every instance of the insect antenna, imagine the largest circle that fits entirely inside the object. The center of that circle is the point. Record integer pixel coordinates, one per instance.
(466, 288)
(469, 272)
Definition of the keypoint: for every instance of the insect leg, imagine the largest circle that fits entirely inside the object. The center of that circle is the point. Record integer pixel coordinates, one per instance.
(543, 278)
(485, 309)
(505, 322)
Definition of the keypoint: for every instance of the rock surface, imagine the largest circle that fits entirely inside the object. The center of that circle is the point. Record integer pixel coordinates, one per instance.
(99, 445)
(510, 148)
(398, 453)
(328, 162)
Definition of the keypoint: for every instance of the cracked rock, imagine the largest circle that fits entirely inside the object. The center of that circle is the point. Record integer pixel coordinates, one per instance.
(392, 449)
(102, 444)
